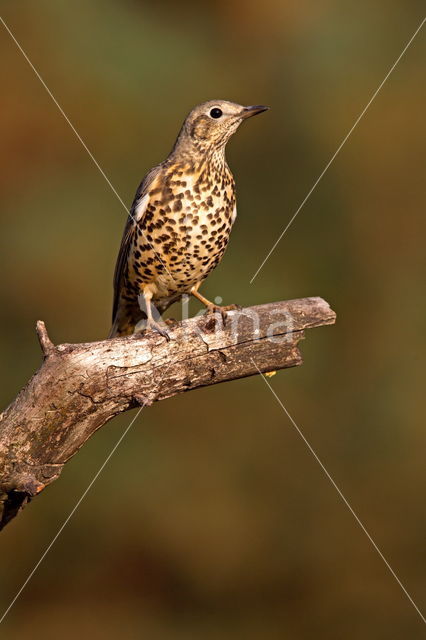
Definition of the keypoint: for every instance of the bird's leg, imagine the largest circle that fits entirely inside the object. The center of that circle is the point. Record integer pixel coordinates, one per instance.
(151, 323)
(211, 307)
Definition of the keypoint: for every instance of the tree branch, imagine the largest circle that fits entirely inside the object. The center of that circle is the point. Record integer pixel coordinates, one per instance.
(47, 346)
(79, 387)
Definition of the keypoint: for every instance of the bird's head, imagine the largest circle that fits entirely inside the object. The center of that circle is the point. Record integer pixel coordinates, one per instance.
(210, 124)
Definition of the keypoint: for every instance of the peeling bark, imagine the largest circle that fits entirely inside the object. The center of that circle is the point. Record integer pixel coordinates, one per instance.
(80, 387)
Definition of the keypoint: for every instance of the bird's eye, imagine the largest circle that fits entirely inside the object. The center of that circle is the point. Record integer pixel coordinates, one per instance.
(216, 113)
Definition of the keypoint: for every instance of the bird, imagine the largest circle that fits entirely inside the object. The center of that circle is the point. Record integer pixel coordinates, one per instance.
(179, 223)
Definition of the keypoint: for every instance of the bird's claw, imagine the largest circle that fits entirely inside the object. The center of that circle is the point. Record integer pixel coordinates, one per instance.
(215, 308)
(155, 326)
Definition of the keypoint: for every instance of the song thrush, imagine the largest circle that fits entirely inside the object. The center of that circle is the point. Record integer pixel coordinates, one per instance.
(180, 220)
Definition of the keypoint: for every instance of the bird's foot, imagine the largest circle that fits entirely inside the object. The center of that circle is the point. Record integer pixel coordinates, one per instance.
(155, 326)
(170, 322)
(215, 308)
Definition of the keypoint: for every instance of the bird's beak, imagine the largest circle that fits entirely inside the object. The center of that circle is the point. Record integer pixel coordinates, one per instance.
(248, 112)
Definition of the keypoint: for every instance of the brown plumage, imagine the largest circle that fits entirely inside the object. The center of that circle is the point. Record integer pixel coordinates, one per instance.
(180, 220)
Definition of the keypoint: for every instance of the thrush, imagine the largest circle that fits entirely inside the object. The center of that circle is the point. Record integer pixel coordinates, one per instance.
(180, 220)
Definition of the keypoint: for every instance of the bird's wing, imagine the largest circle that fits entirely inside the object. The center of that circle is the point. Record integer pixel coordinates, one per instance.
(137, 212)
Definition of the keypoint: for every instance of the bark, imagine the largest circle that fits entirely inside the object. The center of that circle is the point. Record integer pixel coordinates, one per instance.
(80, 387)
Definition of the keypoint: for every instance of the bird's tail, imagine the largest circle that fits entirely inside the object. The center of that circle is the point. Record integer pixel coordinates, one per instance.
(125, 320)
(129, 315)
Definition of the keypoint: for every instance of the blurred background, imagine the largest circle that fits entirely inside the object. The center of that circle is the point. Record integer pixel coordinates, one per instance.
(213, 520)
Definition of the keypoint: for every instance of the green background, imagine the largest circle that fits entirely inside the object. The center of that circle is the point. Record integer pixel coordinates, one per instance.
(213, 519)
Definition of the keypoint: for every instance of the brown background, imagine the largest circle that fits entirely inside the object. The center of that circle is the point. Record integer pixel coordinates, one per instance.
(213, 520)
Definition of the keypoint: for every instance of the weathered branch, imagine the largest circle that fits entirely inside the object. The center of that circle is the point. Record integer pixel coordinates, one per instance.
(79, 387)
(46, 344)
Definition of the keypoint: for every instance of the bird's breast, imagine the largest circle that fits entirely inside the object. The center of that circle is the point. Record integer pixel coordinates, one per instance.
(184, 231)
